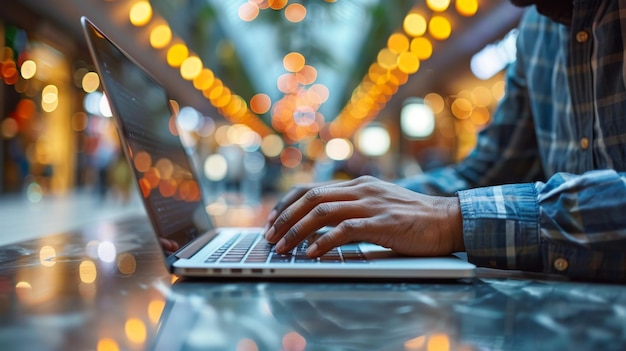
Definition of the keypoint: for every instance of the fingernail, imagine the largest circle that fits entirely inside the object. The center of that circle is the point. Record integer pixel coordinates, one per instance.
(269, 234)
(312, 250)
(280, 246)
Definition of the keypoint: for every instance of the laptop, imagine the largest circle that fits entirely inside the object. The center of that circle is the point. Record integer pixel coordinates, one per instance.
(172, 195)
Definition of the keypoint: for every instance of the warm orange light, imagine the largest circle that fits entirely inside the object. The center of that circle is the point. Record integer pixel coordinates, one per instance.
(204, 80)
(293, 62)
(167, 187)
(177, 54)
(155, 309)
(126, 263)
(140, 13)
(191, 67)
(387, 58)
(87, 271)
(142, 161)
(260, 103)
(438, 5)
(277, 4)
(438, 342)
(414, 24)
(439, 27)
(398, 43)
(422, 48)
(291, 157)
(481, 96)
(217, 86)
(461, 108)
(466, 7)
(295, 13)
(222, 98)
(153, 176)
(160, 36)
(408, 63)
(376, 71)
(107, 344)
(135, 330)
(480, 116)
(90, 82)
(435, 102)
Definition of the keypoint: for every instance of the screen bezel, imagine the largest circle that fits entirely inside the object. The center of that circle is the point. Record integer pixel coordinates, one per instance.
(93, 34)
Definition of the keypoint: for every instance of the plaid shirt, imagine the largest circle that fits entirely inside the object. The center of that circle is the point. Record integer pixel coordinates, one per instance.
(547, 179)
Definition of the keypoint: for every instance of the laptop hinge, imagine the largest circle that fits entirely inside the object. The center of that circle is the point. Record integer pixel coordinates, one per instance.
(195, 245)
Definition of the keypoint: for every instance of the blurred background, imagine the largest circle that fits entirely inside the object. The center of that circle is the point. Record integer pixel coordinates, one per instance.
(271, 93)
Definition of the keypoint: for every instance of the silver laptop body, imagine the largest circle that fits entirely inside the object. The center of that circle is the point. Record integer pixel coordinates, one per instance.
(172, 194)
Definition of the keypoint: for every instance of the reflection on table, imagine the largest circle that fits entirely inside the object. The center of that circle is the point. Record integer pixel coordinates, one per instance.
(106, 288)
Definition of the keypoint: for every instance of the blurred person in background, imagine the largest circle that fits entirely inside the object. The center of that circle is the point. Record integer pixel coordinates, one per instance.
(544, 190)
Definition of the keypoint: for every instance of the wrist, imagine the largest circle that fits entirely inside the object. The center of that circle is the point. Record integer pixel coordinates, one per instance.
(455, 229)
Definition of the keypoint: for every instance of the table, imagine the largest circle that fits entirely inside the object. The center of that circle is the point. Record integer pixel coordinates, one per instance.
(94, 289)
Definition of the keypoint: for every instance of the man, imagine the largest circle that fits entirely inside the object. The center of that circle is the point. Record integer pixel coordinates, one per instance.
(545, 188)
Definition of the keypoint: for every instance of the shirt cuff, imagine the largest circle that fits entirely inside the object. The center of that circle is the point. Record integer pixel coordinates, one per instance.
(500, 226)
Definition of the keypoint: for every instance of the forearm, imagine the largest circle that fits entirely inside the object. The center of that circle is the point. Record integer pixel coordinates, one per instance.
(572, 225)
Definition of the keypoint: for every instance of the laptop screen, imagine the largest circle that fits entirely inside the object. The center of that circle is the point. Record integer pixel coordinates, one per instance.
(146, 125)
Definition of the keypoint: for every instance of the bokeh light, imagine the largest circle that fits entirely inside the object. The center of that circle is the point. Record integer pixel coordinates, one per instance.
(28, 69)
(438, 5)
(191, 67)
(140, 13)
(461, 108)
(277, 4)
(248, 11)
(90, 82)
(408, 63)
(107, 344)
(272, 145)
(466, 7)
(215, 167)
(87, 271)
(260, 103)
(374, 140)
(417, 120)
(135, 330)
(107, 251)
(435, 102)
(176, 54)
(422, 48)
(293, 62)
(398, 43)
(46, 256)
(160, 36)
(295, 13)
(414, 24)
(155, 309)
(339, 149)
(387, 58)
(439, 27)
(291, 157)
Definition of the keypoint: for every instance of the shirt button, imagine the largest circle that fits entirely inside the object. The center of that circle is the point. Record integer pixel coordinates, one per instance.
(582, 36)
(560, 264)
(584, 143)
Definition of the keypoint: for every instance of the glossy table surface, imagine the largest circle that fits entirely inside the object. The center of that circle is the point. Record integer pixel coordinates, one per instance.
(105, 287)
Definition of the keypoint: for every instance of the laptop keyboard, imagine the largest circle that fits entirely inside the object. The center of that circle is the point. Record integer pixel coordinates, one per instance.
(254, 249)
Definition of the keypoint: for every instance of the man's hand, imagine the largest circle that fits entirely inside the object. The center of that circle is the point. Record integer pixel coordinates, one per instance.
(367, 209)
